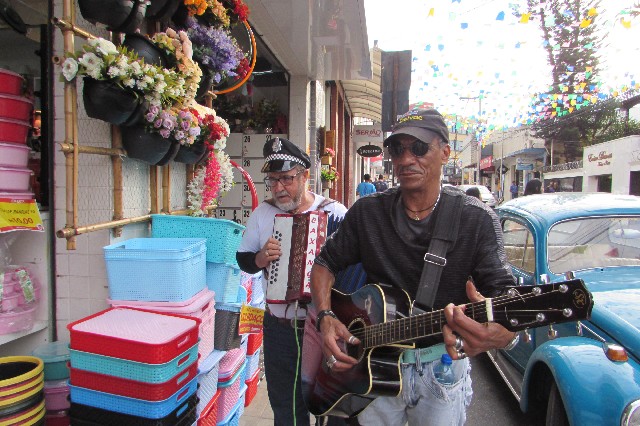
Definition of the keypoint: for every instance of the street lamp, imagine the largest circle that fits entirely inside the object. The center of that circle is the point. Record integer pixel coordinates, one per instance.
(479, 98)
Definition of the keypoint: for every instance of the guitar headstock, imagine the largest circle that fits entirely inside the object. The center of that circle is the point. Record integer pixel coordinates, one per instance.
(538, 305)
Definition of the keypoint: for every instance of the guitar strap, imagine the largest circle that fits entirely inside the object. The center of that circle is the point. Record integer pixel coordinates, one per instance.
(445, 233)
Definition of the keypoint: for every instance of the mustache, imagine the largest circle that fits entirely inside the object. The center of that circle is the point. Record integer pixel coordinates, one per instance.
(280, 193)
(409, 169)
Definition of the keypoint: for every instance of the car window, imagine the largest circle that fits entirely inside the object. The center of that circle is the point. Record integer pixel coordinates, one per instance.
(519, 246)
(593, 243)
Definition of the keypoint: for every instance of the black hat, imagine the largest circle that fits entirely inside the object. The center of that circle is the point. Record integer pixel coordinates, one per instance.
(281, 155)
(420, 124)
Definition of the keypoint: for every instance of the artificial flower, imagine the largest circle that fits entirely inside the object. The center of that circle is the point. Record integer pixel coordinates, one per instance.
(179, 124)
(329, 152)
(329, 174)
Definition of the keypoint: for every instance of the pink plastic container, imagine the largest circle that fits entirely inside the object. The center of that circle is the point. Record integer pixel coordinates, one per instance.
(20, 319)
(14, 179)
(17, 195)
(56, 395)
(15, 107)
(14, 131)
(9, 303)
(14, 155)
(10, 82)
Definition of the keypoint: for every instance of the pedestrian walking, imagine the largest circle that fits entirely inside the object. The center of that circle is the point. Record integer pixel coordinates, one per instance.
(365, 187)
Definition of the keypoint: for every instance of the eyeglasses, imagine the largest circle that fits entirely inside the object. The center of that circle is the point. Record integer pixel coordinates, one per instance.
(417, 148)
(284, 180)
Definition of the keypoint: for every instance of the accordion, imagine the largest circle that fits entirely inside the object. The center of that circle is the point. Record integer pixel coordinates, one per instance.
(301, 236)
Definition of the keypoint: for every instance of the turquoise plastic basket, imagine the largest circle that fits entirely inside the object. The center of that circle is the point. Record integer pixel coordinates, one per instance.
(132, 370)
(133, 406)
(156, 269)
(223, 236)
(224, 280)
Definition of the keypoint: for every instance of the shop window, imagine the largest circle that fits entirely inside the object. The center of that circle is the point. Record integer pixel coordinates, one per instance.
(634, 183)
(604, 183)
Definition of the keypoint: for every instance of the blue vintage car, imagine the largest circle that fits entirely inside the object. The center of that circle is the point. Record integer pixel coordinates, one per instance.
(585, 372)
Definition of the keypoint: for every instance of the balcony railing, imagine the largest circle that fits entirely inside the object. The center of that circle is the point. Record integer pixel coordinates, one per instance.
(563, 167)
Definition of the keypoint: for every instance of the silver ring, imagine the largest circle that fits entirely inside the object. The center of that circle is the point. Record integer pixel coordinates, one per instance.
(352, 339)
(461, 354)
(331, 361)
(266, 252)
(459, 343)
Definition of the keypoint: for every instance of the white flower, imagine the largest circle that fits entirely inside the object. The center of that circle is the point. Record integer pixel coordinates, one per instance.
(70, 68)
(89, 60)
(129, 82)
(105, 47)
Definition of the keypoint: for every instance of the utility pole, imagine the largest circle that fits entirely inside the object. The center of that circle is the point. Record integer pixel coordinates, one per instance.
(479, 148)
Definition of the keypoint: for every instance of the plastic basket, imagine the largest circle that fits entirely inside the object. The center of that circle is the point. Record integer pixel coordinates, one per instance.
(156, 269)
(132, 370)
(229, 395)
(232, 418)
(226, 333)
(208, 379)
(223, 236)
(252, 388)
(224, 280)
(209, 415)
(134, 335)
(254, 342)
(133, 406)
(207, 333)
(132, 388)
(231, 361)
(184, 415)
(253, 363)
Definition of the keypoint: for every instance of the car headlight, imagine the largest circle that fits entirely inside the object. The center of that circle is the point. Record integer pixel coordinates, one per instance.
(631, 414)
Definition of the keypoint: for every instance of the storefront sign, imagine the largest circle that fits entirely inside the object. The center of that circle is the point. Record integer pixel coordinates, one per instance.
(369, 151)
(367, 134)
(19, 215)
(486, 162)
(522, 164)
(250, 320)
(603, 158)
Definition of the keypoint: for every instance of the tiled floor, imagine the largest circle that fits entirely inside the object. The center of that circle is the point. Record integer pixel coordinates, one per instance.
(259, 412)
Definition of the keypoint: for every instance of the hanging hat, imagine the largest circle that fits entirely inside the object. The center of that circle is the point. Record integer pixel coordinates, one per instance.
(281, 155)
(421, 124)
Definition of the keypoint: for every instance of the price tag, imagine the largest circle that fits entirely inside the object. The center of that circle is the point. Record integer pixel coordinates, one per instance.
(250, 320)
(19, 215)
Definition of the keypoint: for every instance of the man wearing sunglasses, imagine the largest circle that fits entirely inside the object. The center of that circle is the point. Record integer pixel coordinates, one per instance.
(390, 233)
(286, 171)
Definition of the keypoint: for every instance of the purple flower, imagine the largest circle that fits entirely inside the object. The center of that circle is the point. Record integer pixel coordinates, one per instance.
(179, 134)
(194, 131)
(150, 117)
(154, 109)
(168, 124)
(182, 114)
(165, 133)
(185, 125)
(158, 123)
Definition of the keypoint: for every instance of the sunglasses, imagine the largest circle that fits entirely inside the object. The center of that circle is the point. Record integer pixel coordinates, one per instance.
(417, 148)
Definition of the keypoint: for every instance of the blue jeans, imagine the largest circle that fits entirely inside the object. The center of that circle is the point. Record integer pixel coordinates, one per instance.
(280, 360)
(424, 401)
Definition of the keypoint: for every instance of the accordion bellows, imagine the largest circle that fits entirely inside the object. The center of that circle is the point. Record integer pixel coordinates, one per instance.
(301, 236)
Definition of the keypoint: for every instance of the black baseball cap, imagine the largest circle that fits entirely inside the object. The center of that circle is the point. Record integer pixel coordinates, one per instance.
(282, 155)
(421, 124)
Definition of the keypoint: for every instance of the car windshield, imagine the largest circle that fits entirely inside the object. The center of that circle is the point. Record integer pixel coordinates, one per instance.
(593, 243)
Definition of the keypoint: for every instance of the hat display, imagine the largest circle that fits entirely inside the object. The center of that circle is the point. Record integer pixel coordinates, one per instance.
(281, 155)
(421, 124)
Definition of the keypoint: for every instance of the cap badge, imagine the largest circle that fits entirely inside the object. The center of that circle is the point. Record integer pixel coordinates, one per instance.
(277, 145)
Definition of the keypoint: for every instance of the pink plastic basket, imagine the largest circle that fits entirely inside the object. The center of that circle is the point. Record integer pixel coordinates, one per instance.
(20, 319)
(56, 395)
(232, 361)
(230, 392)
(14, 179)
(135, 335)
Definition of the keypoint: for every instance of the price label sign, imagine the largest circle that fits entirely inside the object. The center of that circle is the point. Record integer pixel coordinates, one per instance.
(250, 320)
(18, 215)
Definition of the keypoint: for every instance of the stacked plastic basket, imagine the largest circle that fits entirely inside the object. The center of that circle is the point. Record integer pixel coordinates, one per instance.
(21, 391)
(55, 356)
(134, 367)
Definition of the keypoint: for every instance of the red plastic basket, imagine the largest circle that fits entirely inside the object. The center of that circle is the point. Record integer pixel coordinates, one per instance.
(252, 388)
(254, 342)
(209, 415)
(134, 334)
(131, 388)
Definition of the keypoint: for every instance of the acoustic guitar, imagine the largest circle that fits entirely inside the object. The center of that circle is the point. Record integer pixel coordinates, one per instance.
(381, 317)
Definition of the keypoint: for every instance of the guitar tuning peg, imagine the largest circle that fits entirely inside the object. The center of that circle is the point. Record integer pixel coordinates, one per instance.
(552, 333)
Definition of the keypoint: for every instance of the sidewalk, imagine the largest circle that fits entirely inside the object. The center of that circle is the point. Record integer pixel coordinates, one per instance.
(259, 412)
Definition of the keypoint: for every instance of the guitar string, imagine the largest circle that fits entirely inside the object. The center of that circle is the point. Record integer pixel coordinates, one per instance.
(375, 330)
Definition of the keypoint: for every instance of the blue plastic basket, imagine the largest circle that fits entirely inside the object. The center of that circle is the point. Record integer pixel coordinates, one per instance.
(208, 379)
(253, 363)
(223, 236)
(132, 370)
(224, 280)
(133, 406)
(156, 269)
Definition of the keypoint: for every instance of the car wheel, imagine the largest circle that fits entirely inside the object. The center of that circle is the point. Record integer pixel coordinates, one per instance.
(556, 414)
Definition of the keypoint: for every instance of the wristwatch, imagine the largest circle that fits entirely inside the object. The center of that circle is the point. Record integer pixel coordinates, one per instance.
(323, 314)
(512, 344)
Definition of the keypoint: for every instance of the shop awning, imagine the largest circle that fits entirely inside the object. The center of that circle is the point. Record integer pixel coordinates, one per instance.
(364, 96)
(528, 152)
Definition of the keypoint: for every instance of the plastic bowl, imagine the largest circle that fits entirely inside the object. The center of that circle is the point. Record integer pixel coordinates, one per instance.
(55, 356)
(14, 155)
(15, 107)
(14, 179)
(14, 131)
(10, 82)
